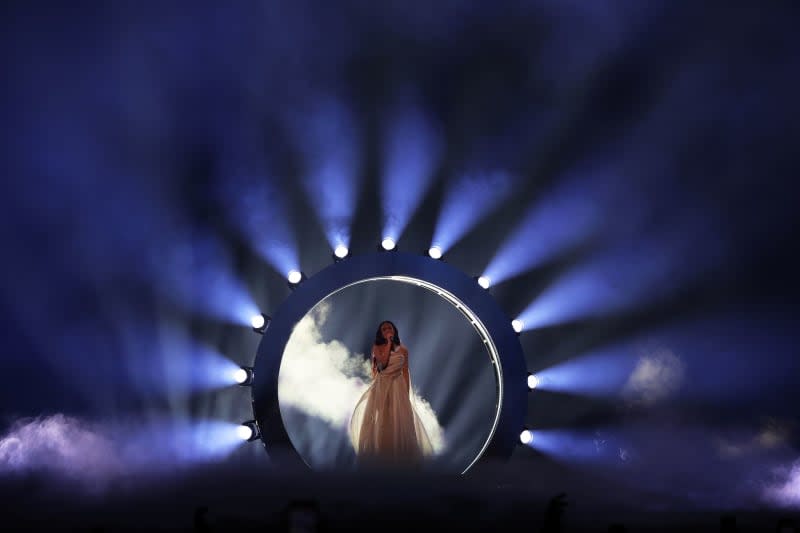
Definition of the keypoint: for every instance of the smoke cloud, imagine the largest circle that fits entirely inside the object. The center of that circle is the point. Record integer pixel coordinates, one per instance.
(98, 456)
(61, 445)
(786, 493)
(773, 435)
(657, 375)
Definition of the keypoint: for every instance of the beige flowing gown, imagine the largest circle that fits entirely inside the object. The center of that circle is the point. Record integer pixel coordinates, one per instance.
(384, 427)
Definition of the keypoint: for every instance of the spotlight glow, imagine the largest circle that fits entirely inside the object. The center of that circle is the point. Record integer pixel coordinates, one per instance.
(204, 368)
(412, 148)
(482, 191)
(518, 325)
(257, 321)
(484, 282)
(225, 296)
(245, 432)
(602, 372)
(327, 135)
(199, 442)
(435, 252)
(341, 251)
(294, 277)
(566, 216)
(533, 381)
(648, 267)
(580, 446)
(388, 243)
(254, 202)
(526, 437)
(240, 376)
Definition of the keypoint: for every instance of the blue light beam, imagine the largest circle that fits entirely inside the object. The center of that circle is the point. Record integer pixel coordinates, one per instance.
(258, 209)
(561, 219)
(163, 360)
(468, 200)
(566, 445)
(639, 270)
(168, 443)
(600, 373)
(411, 152)
(196, 273)
(329, 141)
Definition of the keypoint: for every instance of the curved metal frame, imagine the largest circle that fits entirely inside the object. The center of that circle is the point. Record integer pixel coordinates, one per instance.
(489, 320)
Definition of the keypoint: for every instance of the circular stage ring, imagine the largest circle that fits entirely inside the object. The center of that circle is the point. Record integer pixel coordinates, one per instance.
(462, 291)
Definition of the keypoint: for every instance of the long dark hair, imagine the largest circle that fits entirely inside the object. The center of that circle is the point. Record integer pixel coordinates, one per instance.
(379, 338)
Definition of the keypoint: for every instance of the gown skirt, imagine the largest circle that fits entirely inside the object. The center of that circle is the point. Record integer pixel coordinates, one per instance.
(385, 428)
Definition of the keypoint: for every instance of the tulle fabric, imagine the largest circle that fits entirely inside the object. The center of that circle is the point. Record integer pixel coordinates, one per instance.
(384, 427)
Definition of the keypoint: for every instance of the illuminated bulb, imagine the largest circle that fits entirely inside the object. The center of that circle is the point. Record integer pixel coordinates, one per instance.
(341, 251)
(484, 282)
(388, 243)
(244, 432)
(533, 381)
(260, 323)
(526, 437)
(257, 321)
(294, 277)
(435, 252)
(240, 376)
(517, 325)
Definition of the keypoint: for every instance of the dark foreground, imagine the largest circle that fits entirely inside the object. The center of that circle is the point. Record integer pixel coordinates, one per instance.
(283, 499)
